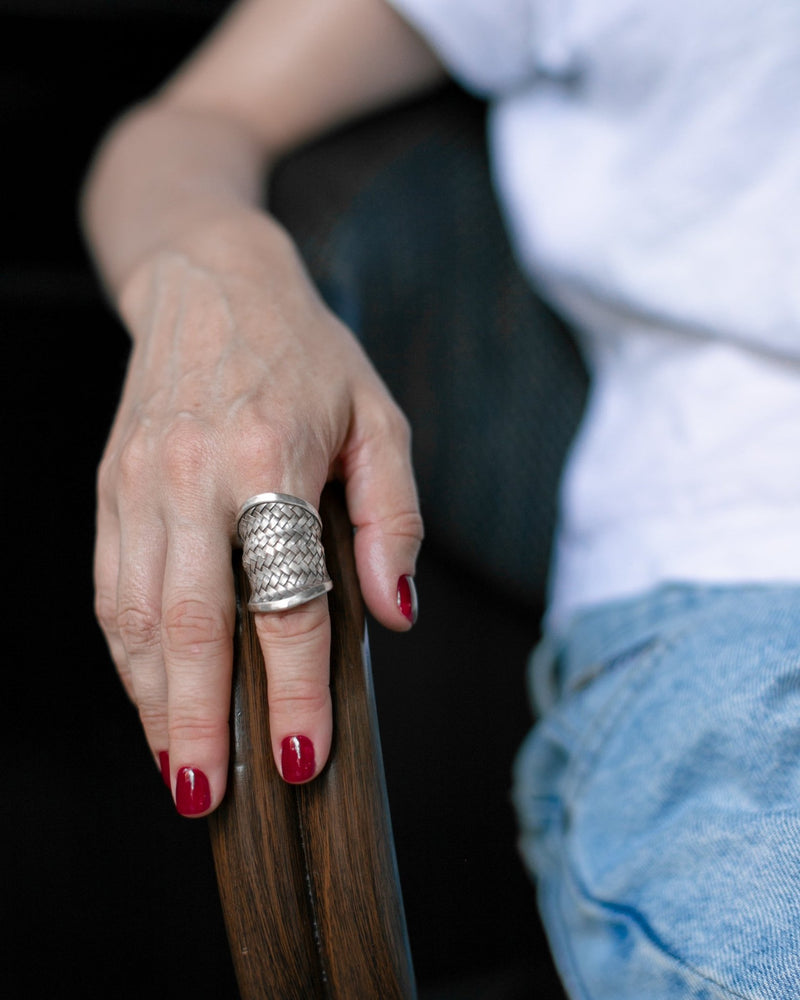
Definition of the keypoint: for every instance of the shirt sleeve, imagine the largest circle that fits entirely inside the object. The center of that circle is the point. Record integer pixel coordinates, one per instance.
(486, 45)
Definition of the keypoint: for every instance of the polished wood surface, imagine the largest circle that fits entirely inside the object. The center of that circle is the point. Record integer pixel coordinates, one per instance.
(307, 874)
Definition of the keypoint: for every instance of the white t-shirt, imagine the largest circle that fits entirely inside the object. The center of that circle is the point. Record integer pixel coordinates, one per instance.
(647, 157)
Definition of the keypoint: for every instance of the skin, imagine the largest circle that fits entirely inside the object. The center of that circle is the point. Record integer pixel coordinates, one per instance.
(240, 380)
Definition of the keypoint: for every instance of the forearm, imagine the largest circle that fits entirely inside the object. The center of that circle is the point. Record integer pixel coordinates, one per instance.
(162, 175)
(274, 74)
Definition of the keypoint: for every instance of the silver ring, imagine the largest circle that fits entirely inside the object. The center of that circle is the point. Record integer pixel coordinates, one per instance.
(282, 551)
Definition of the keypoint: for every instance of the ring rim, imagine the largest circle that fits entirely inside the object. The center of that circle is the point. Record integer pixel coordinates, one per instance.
(294, 600)
(286, 498)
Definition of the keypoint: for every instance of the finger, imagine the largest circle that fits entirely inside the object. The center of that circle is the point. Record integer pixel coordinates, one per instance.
(124, 627)
(384, 509)
(197, 636)
(106, 577)
(139, 595)
(296, 646)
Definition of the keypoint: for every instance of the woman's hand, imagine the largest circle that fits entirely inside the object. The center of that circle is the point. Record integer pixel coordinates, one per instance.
(240, 382)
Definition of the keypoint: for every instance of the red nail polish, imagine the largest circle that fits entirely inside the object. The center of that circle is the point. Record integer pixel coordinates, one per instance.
(297, 759)
(192, 793)
(163, 760)
(407, 598)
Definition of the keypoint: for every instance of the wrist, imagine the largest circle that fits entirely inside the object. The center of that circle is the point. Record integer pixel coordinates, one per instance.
(233, 242)
(162, 171)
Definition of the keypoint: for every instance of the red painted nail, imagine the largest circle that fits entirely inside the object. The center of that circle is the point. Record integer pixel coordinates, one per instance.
(192, 793)
(407, 598)
(297, 759)
(163, 760)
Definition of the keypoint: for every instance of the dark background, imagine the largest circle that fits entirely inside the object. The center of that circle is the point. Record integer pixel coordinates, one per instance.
(106, 891)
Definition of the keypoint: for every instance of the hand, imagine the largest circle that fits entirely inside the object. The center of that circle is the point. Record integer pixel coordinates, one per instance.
(240, 382)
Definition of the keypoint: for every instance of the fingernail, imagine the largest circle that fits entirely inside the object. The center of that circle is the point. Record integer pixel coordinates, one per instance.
(297, 759)
(407, 598)
(163, 760)
(192, 793)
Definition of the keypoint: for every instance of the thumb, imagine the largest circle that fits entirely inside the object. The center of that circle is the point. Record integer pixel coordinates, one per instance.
(384, 510)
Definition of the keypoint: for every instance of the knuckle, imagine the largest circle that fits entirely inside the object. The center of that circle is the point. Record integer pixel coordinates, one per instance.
(406, 524)
(259, 446)
(186, 451)
(187, 727)
(190, 624)
(139, 627)
(292, 696)
(401, 526)
(293, 627)
(131, 463)
(152, 715)
(105, 610)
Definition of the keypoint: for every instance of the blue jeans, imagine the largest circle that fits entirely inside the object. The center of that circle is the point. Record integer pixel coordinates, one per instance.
(659, 796)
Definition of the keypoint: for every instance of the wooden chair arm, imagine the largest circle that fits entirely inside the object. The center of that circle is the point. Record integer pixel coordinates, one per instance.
(307, 874)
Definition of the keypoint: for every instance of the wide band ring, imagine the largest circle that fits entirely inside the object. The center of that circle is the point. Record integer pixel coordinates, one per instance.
(282, 551)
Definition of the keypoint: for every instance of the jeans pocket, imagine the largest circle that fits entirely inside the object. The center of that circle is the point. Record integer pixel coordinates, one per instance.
(561, 750)
(598, 698)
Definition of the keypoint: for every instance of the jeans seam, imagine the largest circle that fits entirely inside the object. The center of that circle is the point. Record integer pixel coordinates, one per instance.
(588, 749)
(643, 924)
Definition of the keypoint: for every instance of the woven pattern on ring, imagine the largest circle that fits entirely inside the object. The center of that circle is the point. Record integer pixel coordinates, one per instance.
(282, 551)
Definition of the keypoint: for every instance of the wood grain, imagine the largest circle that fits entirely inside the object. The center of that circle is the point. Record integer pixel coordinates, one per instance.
(307, 874)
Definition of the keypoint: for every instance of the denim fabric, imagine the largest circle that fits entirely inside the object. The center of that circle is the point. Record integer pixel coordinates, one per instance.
(659, 796)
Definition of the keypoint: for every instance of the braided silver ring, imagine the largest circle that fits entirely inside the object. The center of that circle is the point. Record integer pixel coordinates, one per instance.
(282, 551)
